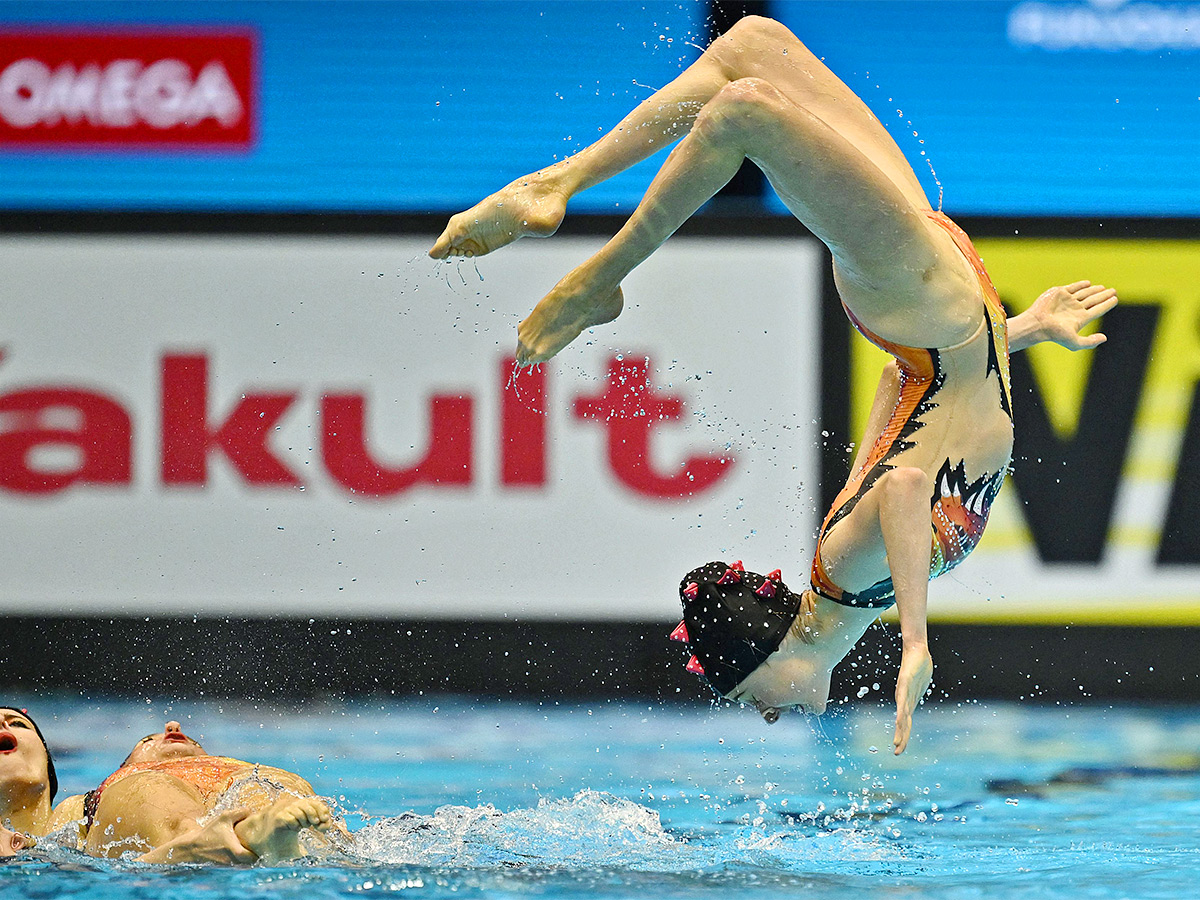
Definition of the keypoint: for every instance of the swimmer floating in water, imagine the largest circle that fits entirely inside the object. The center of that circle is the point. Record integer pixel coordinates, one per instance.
(154, 803)
(939, 436)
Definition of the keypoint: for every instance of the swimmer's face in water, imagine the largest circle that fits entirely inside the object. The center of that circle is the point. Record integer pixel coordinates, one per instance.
(170, 743)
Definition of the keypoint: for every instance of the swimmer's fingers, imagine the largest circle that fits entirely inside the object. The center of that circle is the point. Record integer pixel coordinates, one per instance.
(1101, 303)
(231, 817)
(221, 832)
(215, 841)
(1093, 295)
(1095, 306)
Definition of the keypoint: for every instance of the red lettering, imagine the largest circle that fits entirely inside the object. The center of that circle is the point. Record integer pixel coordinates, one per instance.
(344, 447)
(187, 437)
(522, 425)
(630, 409)
(97, 427)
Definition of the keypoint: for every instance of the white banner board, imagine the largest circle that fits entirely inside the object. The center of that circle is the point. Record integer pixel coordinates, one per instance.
(332, 426)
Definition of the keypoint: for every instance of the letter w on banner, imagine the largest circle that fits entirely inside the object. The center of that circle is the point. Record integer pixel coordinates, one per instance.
(139, 88)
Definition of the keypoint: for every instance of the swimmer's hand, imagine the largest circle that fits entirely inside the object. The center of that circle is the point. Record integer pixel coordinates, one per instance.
(213, 842)
(916, 672)
(1060, 314)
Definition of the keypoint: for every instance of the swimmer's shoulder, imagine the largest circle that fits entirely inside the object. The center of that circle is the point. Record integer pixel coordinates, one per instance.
(69, 812)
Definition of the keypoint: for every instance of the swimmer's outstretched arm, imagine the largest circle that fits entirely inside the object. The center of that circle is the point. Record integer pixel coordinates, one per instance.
(213, 842)
(1059, 314)
(903, 519)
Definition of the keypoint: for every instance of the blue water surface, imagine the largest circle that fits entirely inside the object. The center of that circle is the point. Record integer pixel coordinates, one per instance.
(448, 797)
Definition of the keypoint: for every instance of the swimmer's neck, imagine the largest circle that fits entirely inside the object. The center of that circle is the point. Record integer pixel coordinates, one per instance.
(28, 810)
(826, 628)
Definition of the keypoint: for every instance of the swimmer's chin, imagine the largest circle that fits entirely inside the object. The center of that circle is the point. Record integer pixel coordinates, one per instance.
(784, 681)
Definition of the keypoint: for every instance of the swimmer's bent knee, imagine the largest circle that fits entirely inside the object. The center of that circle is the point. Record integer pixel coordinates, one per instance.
(740, 106)
(759, 32)
(904, 480)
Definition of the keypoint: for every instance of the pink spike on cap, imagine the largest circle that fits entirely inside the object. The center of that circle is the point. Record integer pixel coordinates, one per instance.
(775, 576)
(694, 666)
(680, 632)
(692, 591)
(737, 566)
(731, 576)
(766, 589)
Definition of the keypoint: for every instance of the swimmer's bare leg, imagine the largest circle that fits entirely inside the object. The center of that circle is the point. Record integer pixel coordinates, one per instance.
(755, 47)
(904, 521)
(273, 834)
(889, 530)
(881, 242)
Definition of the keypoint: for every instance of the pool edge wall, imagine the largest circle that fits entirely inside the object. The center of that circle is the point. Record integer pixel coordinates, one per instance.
(283, 659)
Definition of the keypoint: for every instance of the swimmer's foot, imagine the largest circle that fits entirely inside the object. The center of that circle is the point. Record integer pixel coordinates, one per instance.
(274, 833)
(530, 206)
(562, 316)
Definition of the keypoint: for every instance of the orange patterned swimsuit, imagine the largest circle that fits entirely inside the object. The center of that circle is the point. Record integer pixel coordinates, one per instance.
(953, 421)
(210, 775)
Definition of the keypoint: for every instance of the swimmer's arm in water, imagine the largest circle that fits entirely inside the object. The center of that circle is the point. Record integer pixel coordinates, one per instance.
(214, 842)
(1059, 315)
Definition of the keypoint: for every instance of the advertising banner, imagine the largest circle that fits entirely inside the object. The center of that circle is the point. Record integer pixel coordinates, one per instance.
(403, 107)
(131, 88)
(1098, 522)
(333, 426)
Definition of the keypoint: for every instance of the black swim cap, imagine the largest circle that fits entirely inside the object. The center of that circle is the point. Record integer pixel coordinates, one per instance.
(50, 773)
(732, 621)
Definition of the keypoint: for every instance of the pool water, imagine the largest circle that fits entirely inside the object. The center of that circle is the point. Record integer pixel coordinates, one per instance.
(453, 798)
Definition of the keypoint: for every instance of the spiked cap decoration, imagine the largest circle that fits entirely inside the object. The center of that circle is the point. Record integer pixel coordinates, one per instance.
(732, 621)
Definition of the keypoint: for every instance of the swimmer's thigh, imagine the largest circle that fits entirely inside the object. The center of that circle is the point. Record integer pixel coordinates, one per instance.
(757, 47)
(852, 550)
(141, 812)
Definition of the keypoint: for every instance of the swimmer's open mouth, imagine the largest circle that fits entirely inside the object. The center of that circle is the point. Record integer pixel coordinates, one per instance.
(177, 736)
(8, 742)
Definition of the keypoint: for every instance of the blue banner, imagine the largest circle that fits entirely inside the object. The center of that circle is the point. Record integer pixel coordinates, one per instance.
(1018, 108)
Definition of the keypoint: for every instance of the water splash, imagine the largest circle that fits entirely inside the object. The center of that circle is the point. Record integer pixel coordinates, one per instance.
(590, 829)
(598, 831)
